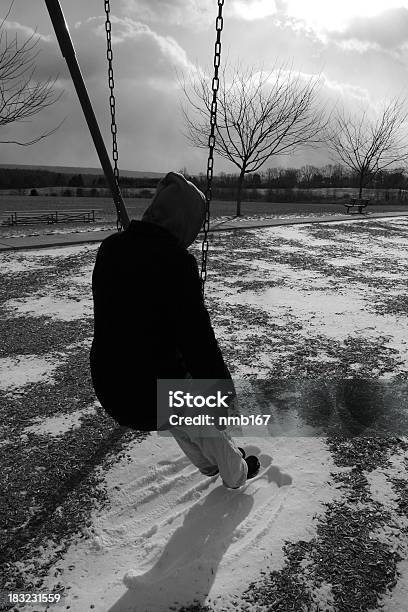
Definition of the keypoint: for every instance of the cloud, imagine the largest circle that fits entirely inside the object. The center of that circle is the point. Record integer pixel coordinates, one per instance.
(173, 12)
(329, 92)
(166, 45)
(388, 30)
(251, 10)
(201, 15)
(149, 136)
(346, 94)
(42, 49)
(352, 24)
(196, 13)
(146, 93)
(359, 46)
(15, 28)
(138, 49)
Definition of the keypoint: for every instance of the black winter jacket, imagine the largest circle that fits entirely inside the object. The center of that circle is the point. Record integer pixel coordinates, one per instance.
(150, 322)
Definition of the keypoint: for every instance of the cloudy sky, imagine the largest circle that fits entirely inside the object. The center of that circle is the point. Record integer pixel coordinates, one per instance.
(358, 47)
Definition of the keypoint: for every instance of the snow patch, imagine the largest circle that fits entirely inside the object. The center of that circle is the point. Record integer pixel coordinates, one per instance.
(59, 424)
(24, 369)
(59, 251)
(13, 265)
(381, 489)
(52, 306)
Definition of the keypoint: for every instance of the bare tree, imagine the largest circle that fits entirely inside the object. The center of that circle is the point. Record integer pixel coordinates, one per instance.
(367, 146)
(21, 95)
(307, 173)
(259, 115)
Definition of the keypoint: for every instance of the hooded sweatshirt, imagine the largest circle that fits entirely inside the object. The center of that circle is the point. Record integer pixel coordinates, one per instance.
(150, 320)
(179, 207)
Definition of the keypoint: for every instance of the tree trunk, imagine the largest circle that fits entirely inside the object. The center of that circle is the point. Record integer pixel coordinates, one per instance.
(361, 184)
(239, 192)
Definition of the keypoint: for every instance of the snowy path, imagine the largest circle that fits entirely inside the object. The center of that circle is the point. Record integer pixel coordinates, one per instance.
(172, 535)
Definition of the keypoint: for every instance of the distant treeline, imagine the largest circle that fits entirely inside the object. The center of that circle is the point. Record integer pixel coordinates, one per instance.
(306, 177)
(310, 177)
(18, 178)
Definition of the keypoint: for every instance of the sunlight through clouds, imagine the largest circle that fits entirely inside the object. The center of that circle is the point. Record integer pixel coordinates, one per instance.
(256, 9)
(325, 15)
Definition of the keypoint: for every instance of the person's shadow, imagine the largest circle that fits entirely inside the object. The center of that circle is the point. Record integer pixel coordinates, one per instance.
(188, 564)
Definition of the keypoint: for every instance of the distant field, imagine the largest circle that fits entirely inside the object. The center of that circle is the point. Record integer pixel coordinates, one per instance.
(136, 206)
(105, 211)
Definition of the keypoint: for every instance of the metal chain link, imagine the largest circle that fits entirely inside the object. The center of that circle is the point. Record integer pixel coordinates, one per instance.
(112, 104)
(211, 144)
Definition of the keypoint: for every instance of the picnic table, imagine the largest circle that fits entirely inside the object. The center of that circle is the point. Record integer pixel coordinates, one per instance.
(25, 217)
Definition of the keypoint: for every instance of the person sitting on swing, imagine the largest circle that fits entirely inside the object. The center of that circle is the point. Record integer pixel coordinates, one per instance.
(150, 323)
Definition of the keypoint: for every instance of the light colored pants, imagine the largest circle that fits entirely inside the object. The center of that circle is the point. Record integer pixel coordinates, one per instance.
(212, 453)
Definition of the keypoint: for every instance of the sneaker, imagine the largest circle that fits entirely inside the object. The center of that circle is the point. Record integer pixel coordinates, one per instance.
(216, 470)
(253, 466)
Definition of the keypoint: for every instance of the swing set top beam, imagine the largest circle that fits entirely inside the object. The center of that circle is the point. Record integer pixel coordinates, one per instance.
(68, 52)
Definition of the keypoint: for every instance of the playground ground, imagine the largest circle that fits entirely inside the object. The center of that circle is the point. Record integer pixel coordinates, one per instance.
(117, 521)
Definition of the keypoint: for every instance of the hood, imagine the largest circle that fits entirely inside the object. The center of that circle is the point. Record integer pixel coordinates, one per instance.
(179, 207)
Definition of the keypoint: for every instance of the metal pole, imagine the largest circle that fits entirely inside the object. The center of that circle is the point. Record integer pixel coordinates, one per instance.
(68, 52)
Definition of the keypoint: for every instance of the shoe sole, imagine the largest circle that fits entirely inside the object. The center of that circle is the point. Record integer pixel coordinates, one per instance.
(255, 474)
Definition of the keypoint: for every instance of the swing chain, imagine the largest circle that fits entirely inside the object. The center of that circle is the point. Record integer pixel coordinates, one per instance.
(211, 143)
(112, 104)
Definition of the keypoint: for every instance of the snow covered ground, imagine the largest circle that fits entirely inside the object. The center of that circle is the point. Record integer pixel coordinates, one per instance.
(290, 299)
(172, 536)
(72, 228)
